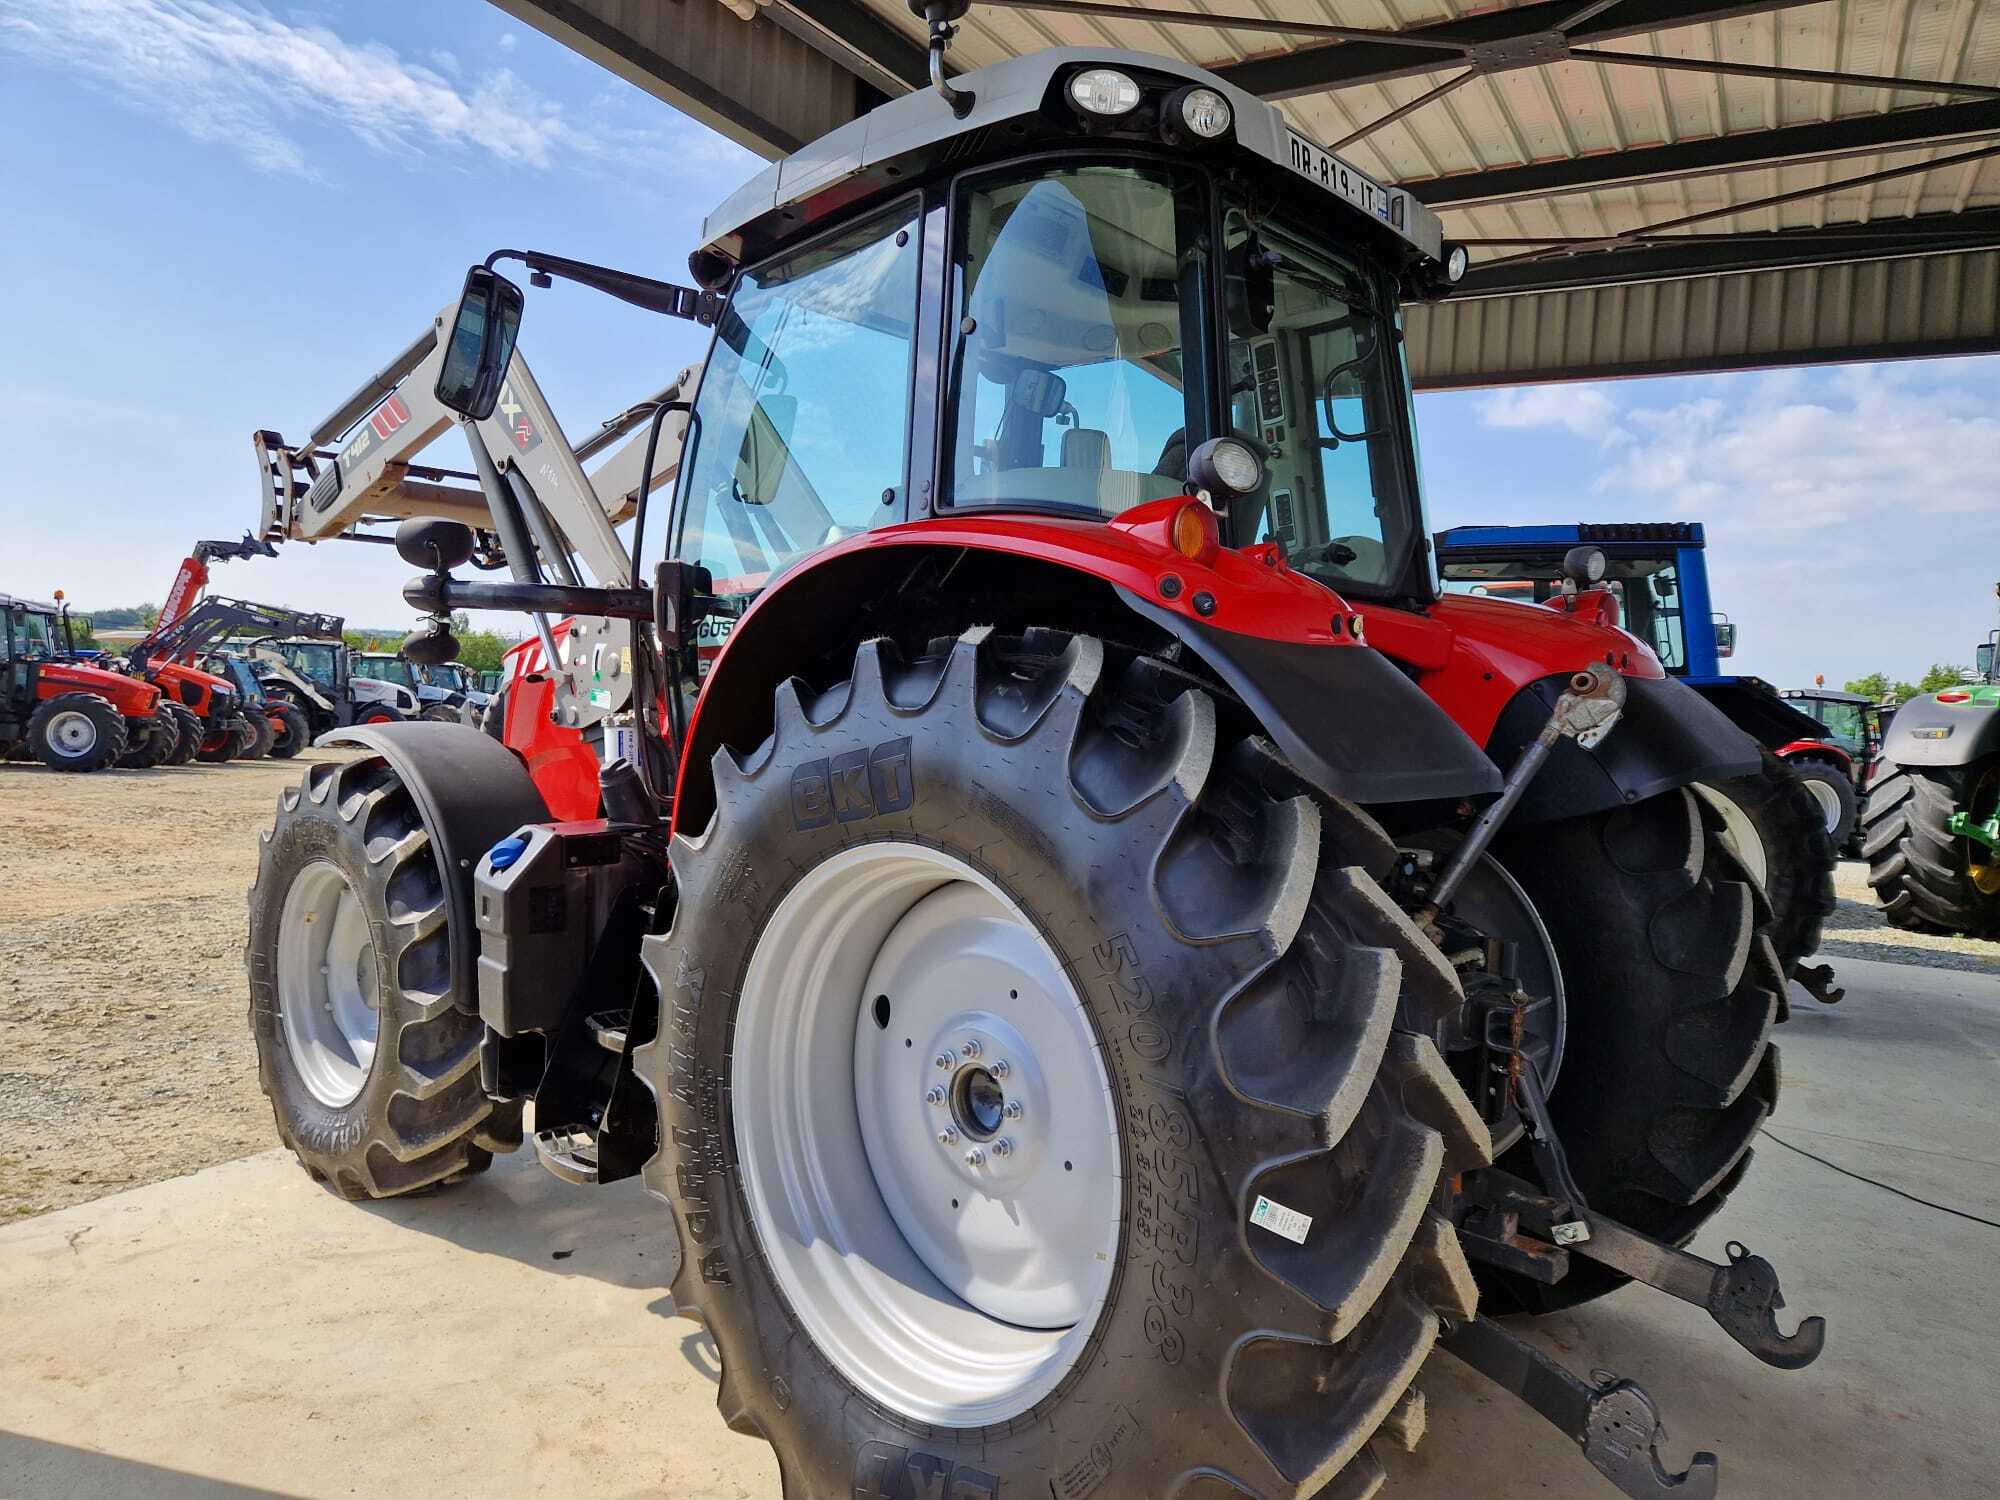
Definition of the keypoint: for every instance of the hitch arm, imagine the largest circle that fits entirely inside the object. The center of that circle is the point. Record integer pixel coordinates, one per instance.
(1742, 1296)
(1614, 1422)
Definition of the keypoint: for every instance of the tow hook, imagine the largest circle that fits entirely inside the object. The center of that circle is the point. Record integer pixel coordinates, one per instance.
(1614, 1421)
(1587, 711)
(1818, 982)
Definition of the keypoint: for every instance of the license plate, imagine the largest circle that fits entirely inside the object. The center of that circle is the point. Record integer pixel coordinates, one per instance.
(1337, 177)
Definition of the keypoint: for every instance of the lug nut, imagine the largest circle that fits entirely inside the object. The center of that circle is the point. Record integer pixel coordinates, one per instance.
(1002, 1068)
(934, 1098)
(1003, 1147)
(947, 1136)
(945, 1060)
(970, 1050)
(975, 1157)
(1014, 1110)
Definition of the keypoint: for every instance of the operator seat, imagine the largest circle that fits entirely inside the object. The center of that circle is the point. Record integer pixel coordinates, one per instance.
(1086, 448)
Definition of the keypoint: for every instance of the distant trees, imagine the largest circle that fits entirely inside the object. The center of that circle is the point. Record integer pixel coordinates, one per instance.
(1876, 685)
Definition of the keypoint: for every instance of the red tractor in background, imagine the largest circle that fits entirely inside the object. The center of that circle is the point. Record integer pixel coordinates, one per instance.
(1107, 963)
(69, 715)
(222, 729)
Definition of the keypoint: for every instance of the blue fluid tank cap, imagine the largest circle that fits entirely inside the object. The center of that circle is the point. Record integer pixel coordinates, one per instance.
(503, 854)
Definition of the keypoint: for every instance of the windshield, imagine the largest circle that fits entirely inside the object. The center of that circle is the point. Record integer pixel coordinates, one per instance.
(314, 663)
(1315, 382)
(386, 669)
(1075, 285)
(443, 675)
(800, 426)
(1845, 723)
(30, 635)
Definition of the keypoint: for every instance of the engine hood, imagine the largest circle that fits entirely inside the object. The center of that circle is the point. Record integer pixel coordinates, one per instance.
(132, 698)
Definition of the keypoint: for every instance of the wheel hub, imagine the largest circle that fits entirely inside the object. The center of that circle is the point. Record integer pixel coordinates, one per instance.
(73, 733)
(933, 1162)
(1828, 800)
(1741, 834)
(327, 984)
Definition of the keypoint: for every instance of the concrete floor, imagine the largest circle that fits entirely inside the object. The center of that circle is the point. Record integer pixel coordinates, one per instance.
(241, 1335)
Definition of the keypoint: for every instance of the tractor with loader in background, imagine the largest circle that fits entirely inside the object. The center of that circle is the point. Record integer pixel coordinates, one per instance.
(67, 713)
(1931, 829)
(1108, 964)
(222, 729)
(1792, 816)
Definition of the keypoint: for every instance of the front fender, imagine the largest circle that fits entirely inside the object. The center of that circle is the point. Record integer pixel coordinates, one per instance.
(470, 791)
(1926, 732)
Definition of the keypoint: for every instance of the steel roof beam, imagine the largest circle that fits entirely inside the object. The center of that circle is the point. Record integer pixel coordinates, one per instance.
(1314, 70)
(858, 39)
(1881, 239)
(1860, 135)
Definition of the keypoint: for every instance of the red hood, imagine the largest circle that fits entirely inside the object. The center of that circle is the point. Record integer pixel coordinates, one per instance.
(1472, 654)
(132, 698)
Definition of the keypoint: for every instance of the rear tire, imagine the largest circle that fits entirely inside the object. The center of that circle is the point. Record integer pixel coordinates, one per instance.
(76, 732)
(1927, 878)
(371, 1068)
(439, 713)
(1787, 848)
(1673, 987)
(150, 749)
(257, 728)
(1238, 983)
(289, 733)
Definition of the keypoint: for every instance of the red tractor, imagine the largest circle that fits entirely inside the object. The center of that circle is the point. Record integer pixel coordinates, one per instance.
(69, 715)
(221, 728)
(1107, 964)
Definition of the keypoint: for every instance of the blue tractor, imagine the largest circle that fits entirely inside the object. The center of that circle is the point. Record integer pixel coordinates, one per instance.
(1651, 577)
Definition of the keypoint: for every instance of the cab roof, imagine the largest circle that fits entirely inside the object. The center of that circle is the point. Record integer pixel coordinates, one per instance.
(920, 126)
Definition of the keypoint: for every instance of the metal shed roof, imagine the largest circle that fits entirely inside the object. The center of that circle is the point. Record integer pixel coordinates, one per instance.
(1648, 185)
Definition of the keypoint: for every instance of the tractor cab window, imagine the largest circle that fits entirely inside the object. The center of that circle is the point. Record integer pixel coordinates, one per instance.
(803, 417)
(1316, 383)
(385, 669)
(314, 663)
(29, 636)
(1845, 723)
(1075, 286)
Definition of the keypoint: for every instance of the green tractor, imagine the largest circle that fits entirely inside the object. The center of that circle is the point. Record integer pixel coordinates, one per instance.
(1931, 829)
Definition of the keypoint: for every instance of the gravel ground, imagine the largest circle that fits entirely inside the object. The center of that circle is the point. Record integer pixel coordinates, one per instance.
(1857, 930)
(125, 1055)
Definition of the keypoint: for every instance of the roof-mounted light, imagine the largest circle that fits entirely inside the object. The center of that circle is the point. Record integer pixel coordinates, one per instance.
(1204, 112)
(1457, 261)
(1104, 92)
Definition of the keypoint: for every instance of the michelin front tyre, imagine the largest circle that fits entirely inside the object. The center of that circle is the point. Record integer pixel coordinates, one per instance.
(371, 1068)
(999, 996)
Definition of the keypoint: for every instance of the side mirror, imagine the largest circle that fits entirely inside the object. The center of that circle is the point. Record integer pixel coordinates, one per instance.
(1725, 638)
(683, 596)
(482, 344)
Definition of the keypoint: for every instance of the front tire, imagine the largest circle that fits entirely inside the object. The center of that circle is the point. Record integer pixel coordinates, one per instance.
(289, 732)
(76, 732)
(1672, 987)
(1927, 878)
(999, 854)
(371, 1068)
(187, 729)
(1832, 791)
(152, 747)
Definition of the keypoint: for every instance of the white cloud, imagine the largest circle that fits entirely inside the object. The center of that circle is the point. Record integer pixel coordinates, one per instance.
(508, 41)
(1587, 412)
(232, 74)
(1853, 515)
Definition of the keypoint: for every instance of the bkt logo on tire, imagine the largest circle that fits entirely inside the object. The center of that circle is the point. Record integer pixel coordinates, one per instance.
(883, 1471)
(859, 784)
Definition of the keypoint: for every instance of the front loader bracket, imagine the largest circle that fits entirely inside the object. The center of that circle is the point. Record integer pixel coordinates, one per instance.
(1614, 1421)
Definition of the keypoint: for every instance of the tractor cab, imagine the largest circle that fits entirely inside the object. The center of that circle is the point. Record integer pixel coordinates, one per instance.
(1109, 284)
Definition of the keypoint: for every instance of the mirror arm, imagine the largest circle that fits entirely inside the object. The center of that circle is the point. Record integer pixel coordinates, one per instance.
(667, 297)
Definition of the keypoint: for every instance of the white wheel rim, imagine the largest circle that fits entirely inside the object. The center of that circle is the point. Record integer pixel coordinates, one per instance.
(1740, 832)
(1828, 800)
(950, 1278)
(327, 984)
(73, 733)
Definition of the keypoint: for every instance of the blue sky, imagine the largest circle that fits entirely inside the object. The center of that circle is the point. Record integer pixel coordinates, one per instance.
(223, 216)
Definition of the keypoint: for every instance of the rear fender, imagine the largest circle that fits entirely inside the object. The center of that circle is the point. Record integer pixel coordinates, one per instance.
(1764, 716)
(1926, 732)
(1349, 722)
(470, 792)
